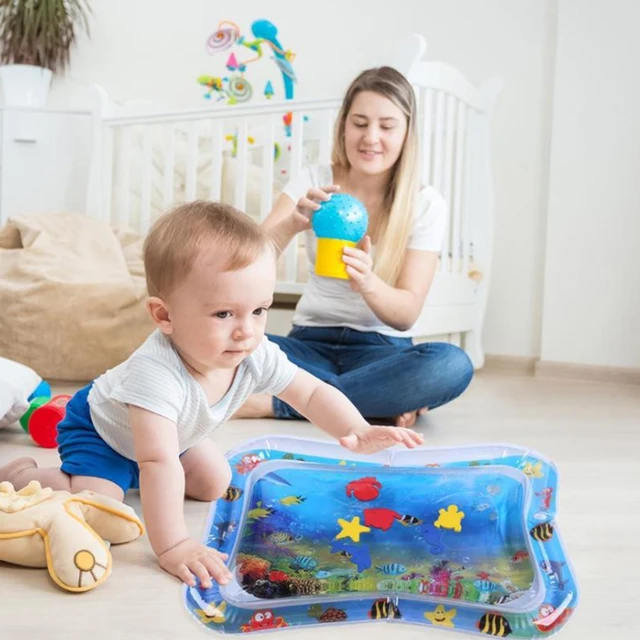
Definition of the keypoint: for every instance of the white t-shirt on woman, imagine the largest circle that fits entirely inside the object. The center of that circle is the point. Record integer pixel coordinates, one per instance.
(330, 302)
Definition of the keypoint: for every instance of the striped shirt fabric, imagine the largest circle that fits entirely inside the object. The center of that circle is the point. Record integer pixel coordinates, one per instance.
(155, 378)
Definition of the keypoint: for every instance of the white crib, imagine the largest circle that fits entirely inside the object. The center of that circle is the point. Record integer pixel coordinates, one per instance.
(147, 158)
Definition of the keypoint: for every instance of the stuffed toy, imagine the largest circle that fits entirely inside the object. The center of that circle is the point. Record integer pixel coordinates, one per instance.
(24, 396)
(64, 532)
(18, 386)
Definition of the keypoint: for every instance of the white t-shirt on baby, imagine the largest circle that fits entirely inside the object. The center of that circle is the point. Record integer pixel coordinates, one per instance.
(155, 378)
(330, 302)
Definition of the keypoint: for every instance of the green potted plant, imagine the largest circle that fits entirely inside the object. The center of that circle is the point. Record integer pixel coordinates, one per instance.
(36, 37)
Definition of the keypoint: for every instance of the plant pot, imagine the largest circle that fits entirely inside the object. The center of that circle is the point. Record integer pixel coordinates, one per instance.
(25, 85)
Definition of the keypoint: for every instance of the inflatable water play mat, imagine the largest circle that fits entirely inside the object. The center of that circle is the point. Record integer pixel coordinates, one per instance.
(462, 539)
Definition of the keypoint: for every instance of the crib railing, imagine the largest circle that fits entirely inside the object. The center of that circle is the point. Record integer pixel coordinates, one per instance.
(190, 148)
(131, 151)
(453, 114)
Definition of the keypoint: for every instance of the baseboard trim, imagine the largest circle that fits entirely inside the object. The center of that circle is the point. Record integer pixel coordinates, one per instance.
(587, 372)
(521, 365)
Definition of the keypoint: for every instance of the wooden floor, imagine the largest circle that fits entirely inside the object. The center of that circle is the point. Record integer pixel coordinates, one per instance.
(591, 431)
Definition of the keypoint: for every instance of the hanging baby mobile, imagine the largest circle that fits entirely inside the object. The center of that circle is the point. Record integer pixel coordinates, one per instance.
(235, 87)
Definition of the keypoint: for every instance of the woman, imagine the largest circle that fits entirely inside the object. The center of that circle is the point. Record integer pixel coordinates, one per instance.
(356, 334)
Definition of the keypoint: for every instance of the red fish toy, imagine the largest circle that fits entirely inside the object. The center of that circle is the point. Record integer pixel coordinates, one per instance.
(380, 518)
(520, 556)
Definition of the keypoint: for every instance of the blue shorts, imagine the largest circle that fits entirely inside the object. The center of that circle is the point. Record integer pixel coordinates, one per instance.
(84, 453)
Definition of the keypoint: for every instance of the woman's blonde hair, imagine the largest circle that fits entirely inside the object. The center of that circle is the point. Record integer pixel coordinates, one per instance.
(402, 190)
(176, 239)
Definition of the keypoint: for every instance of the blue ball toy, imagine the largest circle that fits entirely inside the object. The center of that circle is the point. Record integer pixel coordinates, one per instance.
(342, 217)
(340, 222)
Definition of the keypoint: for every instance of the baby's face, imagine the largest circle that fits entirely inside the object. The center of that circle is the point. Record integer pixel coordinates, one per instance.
(218, 317)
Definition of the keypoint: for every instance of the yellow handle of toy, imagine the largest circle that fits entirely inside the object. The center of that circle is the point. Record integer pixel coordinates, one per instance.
(329, 262)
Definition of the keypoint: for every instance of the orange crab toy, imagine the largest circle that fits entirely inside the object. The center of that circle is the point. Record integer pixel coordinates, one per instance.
(263, 619)
(364, 489)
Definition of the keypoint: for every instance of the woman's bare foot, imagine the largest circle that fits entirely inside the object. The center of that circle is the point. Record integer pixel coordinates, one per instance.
(409, 418)
(257, 406)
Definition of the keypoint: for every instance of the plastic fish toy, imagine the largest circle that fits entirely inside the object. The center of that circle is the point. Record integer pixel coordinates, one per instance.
(383, 608)
(289, 501)
(281, 537)
(392, 569)
(303, 563)
(359, 555)
(259, 512)
(554, 570)
(232, 494)
(520, 556)
(410, 521)
(381, 518)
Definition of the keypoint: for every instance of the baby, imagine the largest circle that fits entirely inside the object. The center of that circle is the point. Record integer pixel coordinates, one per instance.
(211, 274)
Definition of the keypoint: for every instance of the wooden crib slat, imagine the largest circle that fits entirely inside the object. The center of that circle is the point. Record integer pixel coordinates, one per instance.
(327, 121)
(450, 106)
(145, 185)
(457, 188)
(297, 130)
(107, 174)
(438, 136)
(296, 141)
(215, 185)
(427, 125)
(266, 191)
(467, 186)
(192, 161)
(123, 211)
(169, 167)
(241, 159)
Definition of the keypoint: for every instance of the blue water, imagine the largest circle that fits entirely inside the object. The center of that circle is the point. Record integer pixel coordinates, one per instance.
(299, 539)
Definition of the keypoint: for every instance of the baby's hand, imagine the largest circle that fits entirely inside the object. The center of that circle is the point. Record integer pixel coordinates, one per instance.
(190, 558)
(372, 439)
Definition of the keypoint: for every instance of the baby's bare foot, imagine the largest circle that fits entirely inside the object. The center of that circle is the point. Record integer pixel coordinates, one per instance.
(11, 471)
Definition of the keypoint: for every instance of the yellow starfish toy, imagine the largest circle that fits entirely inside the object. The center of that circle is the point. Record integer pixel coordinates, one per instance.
(40, 527)
(450, 519)
(440, 617)
(351, 529)
(533, 470)
(212, 613)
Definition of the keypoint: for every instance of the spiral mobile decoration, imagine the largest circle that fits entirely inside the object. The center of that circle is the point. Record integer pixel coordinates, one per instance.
(223, 38)
(240, 88)
(265, 34)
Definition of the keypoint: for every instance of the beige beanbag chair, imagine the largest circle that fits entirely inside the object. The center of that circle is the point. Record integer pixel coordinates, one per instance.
(64, 532)
(72, 295)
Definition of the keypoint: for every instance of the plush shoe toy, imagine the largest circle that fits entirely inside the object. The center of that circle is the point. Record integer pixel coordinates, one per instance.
(64, 532)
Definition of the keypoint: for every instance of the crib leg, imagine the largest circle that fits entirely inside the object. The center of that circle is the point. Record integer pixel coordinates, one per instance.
(473, 347)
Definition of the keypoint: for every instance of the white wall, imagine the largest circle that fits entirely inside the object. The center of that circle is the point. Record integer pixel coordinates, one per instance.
(592, 281)
(155, 50)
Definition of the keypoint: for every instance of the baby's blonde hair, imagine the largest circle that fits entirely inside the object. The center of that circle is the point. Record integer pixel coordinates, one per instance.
(176, 239)
(403, 187)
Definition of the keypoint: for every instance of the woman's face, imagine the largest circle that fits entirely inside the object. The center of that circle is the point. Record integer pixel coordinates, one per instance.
(374, 132)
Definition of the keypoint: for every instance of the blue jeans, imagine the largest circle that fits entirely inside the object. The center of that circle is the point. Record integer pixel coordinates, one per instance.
(383, 376)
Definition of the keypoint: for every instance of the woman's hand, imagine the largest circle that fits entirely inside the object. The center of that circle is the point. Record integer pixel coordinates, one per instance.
(360, 266)
(309, 204)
